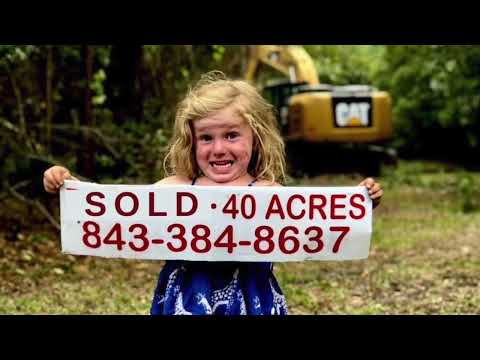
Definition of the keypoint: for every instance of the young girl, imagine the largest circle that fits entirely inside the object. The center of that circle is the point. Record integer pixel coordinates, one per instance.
(225, 133)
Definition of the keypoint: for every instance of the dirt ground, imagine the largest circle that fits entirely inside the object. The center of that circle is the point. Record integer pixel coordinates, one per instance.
(424, 259)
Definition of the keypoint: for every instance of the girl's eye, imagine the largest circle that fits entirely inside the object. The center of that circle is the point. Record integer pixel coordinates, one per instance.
(232, 135)
(205, 138)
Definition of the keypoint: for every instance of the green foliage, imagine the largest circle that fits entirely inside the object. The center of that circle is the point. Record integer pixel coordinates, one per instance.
(468, 189)
(128, 152)
(139, 151)
(170, 69)
(434, 176)
(99, 96)
(436, 91)
(347, 64)
(218, 53)
(10, 55)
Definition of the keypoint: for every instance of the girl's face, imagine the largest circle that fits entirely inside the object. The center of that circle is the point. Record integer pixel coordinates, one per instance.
(223, 145)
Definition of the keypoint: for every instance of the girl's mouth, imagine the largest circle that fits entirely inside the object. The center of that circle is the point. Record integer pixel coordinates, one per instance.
(224, 164)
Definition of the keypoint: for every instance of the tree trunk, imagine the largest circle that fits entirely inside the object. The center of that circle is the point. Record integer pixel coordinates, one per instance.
(123, 71)
(49, 99)
(18, 96)
(85, 155)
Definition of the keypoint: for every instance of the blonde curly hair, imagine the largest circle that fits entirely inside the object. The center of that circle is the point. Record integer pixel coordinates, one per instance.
(213, 93)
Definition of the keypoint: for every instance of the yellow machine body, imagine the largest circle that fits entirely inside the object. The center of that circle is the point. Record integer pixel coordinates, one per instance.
(323, 117)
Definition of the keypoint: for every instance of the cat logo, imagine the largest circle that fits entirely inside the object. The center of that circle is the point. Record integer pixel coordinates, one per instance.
(352, 114)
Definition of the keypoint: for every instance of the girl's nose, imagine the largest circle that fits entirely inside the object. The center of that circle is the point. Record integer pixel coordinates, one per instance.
(218, 147)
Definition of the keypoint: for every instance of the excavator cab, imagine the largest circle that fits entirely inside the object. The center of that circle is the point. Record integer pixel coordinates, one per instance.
(279, 95)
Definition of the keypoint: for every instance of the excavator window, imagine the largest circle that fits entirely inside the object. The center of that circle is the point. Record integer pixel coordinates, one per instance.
(278, 95)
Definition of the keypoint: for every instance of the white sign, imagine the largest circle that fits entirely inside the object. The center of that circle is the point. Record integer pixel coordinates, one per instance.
(210, 223)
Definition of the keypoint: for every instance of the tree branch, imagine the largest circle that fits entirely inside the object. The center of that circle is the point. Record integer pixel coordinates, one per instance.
(18, 97)
(34, 203)
(20, 185)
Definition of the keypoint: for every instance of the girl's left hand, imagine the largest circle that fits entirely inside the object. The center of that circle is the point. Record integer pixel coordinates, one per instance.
(374, 190)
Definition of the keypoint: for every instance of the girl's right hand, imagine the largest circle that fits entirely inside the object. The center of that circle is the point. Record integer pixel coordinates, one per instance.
(53, 178)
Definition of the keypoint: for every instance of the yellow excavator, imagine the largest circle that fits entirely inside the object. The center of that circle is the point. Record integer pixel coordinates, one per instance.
(311, 113)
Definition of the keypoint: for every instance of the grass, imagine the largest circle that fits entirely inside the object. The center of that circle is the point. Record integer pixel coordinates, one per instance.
(423, 260)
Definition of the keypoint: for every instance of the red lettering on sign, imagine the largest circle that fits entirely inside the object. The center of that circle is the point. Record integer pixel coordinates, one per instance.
(95, 203)
(229, 244)
(275, 207)
(253, 206)
(317, 238)
(265, 238)
(180, 236)
(231, 206)
(283, 238)
(289, 207)
(259, 239)
(180, 211)
(141, 236)
(87, 233)
(202, 238)
(151, 206)
(344, 231)
(114, 237)
(359, 206)
(118, 201)
(319, 207)
(334, 205)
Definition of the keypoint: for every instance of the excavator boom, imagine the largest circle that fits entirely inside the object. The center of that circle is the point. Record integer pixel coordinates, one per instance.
(291, 60)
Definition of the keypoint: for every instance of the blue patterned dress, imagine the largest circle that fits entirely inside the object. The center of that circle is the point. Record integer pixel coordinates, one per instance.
(217, 288)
